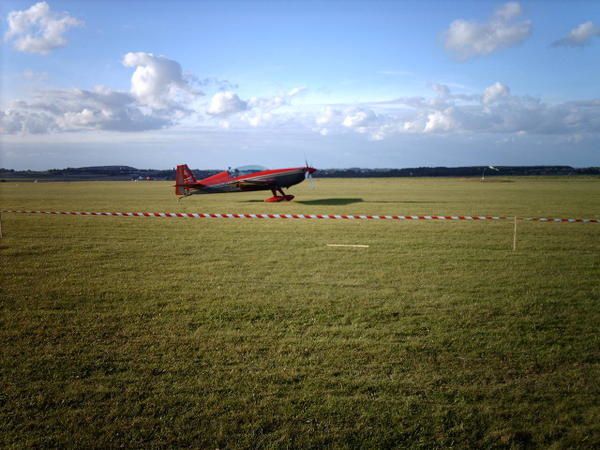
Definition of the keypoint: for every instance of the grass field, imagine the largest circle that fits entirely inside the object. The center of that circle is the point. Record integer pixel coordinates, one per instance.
(148, 332)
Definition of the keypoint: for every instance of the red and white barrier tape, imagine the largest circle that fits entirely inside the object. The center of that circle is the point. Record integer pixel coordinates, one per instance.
(559, 219)
(294, 216)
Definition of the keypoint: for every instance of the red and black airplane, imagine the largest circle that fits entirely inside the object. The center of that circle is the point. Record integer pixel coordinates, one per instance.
(247, 178)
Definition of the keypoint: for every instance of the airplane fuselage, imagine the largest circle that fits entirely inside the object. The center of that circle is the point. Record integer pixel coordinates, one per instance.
(259, 181)
(247, 179)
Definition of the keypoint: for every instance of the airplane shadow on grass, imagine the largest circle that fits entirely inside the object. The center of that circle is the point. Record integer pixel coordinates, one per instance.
(416, 202)
(347, 201)
(331, 201)
(321, 201)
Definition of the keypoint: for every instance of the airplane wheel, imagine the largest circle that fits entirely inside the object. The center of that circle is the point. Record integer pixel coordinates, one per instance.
(274, 199)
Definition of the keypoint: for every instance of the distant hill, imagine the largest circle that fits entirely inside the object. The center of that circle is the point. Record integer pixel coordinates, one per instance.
(116, 173)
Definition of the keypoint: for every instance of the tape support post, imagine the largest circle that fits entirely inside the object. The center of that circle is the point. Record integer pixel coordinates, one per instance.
(296, 216)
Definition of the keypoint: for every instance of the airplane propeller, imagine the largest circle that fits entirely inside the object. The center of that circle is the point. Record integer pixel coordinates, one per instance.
(308, 174)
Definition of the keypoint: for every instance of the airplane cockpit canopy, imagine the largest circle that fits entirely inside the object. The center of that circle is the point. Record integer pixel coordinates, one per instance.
(246, 170)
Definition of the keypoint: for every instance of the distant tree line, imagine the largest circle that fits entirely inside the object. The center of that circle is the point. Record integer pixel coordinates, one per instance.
(116, 173)
(108, 173)
(467, 171)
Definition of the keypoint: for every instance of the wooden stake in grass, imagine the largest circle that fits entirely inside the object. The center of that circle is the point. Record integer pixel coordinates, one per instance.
(515, 235)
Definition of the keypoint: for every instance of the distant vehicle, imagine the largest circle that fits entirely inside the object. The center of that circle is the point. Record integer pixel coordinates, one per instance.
(242, 179)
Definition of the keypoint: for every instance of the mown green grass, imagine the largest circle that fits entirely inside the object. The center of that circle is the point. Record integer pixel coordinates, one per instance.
(147, 332)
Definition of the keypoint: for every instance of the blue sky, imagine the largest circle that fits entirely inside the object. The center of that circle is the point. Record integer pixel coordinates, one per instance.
(373, 84)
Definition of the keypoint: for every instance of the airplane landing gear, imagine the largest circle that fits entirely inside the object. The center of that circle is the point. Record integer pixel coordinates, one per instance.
(279, 198)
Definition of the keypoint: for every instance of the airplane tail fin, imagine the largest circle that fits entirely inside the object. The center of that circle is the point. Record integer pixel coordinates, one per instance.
(183, 178)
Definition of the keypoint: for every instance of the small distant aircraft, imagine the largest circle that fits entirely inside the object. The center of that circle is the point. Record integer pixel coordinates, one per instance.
(241, 179)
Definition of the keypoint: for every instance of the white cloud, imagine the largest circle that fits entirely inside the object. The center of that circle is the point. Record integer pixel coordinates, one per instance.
(256, 119)
(226, 103)
(359, 118)
(158, 82)
(439, 121)
(38, 29)
(508, 11)
(328, 116)
(256, 111)
(579, 36)
(495, 92)
(17, 121)
(266, 104)
(468, 39)
(413, 126)
(383, 131)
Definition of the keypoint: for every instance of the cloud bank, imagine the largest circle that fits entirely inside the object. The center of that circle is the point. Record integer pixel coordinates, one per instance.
(494, 111)
(68, 110)
(162, 95)
(159, 96)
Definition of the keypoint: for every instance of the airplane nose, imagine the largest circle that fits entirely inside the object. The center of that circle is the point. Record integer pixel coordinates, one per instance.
(311, 170)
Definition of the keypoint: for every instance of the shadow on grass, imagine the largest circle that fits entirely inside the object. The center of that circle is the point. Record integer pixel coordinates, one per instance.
(346, 201)
(416, 202)
(331, 201)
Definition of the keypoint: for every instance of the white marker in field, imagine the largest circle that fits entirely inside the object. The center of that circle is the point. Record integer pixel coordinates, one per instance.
(488, 167)
(515, 235)
(348, 245)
